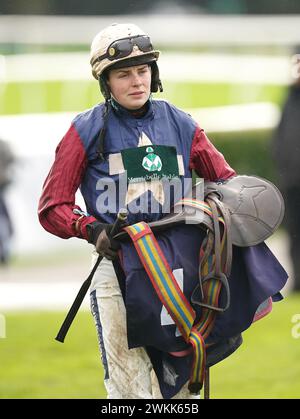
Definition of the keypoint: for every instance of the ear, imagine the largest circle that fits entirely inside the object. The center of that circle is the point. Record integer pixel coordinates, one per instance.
(155, 80)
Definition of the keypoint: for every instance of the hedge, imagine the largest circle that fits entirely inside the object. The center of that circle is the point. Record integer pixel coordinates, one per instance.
(248, 152)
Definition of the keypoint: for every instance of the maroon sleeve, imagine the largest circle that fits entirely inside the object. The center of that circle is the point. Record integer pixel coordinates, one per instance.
(206, 160)
(57, 201)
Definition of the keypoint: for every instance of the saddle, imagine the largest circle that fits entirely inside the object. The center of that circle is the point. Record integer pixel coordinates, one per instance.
(253, 208)
(255, 205)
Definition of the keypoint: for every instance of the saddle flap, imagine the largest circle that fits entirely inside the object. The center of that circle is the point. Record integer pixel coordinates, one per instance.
(256, 207)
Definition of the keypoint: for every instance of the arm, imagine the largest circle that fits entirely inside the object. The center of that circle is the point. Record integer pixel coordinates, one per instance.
(57, 201)
(206, 160)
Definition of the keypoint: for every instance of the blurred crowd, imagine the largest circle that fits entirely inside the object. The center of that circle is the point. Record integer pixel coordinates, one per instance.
(286, 152)
(6, 227)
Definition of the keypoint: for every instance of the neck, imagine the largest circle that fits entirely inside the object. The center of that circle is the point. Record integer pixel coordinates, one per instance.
(136, 113)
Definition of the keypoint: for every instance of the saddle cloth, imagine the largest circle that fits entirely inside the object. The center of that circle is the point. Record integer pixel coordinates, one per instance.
(204, 265)
(255, 276)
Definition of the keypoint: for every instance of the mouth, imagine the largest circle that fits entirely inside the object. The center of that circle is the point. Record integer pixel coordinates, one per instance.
(139, 93)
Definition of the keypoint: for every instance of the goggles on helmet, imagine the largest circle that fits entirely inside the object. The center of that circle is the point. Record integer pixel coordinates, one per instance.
(124, 47)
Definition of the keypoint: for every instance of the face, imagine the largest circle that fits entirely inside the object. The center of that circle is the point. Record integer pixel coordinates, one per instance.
(130, 86)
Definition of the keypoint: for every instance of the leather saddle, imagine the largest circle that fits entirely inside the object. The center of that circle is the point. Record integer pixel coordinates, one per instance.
(253, 206)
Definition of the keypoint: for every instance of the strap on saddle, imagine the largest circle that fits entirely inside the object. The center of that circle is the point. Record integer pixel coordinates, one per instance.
(218, 243)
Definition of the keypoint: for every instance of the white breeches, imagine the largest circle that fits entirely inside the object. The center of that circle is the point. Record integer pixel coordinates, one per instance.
(128, 373)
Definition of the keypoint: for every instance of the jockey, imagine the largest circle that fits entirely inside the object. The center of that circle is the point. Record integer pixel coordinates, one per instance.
(124, 152)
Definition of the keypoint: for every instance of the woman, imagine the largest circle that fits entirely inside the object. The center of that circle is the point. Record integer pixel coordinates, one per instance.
(129, 140)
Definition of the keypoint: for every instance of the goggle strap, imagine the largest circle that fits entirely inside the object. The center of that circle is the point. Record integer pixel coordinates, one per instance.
(107, 55)
(102, 133)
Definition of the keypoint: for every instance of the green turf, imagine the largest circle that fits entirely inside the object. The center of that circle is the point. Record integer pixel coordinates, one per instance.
(34, 365)
(59, 96)
(267, 364)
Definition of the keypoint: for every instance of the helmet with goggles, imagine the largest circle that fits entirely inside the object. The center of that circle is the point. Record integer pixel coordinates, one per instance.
(122, 45)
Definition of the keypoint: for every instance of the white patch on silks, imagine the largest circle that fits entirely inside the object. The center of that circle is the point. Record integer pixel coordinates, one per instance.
(116, 166)
(165, 318)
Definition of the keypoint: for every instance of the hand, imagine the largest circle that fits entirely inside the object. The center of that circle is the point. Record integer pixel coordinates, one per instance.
(105, 246)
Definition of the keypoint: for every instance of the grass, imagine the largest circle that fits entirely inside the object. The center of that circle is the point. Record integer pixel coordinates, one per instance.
(34, 365)
(267, 364)
(60, 96)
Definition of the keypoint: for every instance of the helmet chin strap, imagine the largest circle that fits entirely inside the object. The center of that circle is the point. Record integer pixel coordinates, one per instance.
(107, 95)
(105, 90)
(102, 133)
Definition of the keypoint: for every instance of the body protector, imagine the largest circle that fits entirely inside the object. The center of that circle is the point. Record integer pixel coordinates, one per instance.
(135, 134)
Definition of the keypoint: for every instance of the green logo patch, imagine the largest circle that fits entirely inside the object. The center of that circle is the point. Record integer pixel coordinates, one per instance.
(151, 162)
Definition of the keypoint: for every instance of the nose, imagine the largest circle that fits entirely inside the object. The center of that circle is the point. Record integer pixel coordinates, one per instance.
(136, 79)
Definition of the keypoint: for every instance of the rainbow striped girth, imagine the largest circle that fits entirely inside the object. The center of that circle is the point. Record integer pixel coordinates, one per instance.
(171, 296)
